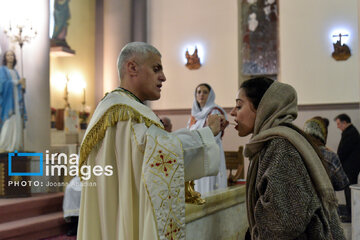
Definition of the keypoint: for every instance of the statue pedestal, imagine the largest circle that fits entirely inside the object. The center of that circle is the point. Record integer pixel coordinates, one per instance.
(14, 186)
(61, 51)
(223, 216)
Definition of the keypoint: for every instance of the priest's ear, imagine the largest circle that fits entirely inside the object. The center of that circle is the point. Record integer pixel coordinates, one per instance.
(132, 68)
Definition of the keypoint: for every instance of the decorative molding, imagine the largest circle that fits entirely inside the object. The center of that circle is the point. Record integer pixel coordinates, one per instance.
(301, 107)
(180, 111)
(61, 51)
(329, 106)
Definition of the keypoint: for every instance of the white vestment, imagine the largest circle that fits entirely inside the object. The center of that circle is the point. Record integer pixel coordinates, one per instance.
(71, 203)
(144, 197)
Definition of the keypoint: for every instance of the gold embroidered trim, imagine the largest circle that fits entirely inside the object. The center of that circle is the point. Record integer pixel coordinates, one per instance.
(136, 140)
(118, 112)
(152, 205)
(163, 178)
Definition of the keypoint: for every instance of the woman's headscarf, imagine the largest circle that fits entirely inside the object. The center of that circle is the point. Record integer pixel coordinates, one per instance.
(279, 106)
(201, 114)
(316, 127)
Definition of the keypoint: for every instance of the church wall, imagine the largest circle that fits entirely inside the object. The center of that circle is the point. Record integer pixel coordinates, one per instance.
(36, 66)
(174, 24)
(358, 42)
(81, 38)
(306, 29)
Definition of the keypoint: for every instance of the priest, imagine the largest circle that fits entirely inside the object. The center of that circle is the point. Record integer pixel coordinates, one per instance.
(143, 198)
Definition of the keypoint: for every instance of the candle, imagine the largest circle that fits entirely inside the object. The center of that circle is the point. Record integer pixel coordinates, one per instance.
(84, 96)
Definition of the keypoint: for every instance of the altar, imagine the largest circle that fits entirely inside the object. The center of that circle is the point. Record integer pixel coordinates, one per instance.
(223, 216)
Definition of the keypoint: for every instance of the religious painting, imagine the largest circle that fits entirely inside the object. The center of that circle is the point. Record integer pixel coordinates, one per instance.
(259, 37)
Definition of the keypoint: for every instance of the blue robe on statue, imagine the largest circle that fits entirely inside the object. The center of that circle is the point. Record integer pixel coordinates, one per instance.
(12, 108)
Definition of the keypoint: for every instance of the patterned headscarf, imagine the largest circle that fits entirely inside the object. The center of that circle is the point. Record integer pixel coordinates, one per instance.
(316, 127)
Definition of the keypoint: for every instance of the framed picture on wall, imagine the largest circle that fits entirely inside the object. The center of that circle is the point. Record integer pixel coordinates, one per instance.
(259, 28)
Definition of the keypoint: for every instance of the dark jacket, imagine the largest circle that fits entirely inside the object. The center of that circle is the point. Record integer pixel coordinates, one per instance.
(349, 153)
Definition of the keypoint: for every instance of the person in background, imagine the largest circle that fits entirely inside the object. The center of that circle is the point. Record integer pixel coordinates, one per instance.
(204, 106)
(71, 205)
(288, 192)
(167, 124)
(349, 154)
(317, 128)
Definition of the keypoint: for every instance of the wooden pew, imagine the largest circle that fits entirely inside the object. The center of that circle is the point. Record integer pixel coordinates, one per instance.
(235, 160)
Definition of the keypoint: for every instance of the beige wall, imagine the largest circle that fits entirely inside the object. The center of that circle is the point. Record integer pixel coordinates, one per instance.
(358, 42)
(213, 23)
(81, 38)
(306, 47)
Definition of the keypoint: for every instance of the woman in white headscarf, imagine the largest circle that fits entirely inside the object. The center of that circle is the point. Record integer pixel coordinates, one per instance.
(203, 106)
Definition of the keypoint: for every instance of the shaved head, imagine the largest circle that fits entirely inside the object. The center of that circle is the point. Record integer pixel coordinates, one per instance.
(138, 50)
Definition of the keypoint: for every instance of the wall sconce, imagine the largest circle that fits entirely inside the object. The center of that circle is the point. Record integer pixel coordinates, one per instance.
(193, 60)
(341, 51)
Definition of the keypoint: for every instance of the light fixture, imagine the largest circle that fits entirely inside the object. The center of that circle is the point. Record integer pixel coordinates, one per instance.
(341, 50)
(21, 33)
(193, 60)
(193, 54)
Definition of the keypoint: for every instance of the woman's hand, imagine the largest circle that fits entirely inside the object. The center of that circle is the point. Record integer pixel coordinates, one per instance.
(22, 82)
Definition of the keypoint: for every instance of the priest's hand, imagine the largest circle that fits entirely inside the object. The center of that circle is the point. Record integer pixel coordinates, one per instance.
(214, 123)
(224, 123)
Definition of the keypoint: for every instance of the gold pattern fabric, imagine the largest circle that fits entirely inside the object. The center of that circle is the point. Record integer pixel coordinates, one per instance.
(163, 177)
